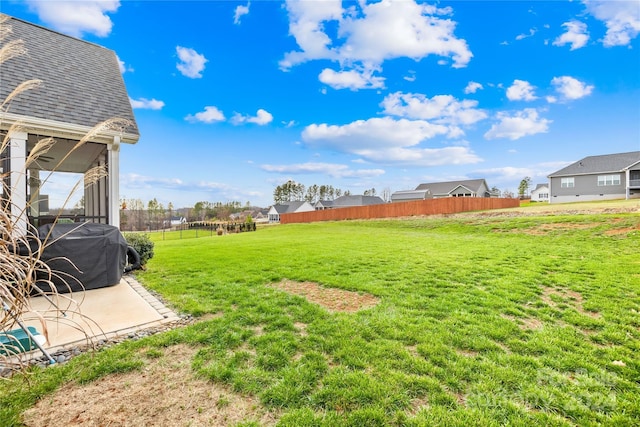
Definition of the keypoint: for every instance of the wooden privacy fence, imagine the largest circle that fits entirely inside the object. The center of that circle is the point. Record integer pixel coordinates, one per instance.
(447, 205)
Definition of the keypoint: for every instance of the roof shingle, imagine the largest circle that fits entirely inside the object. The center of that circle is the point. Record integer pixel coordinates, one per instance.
(81, 81)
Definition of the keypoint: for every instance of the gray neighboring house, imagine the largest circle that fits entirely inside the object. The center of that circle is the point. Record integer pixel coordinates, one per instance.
(435, 190)
(321, 205)
(540, 193)
(410, 195)
(292, 207)
(348, 201)
(81, 87)
(356, 200)
(605, 177)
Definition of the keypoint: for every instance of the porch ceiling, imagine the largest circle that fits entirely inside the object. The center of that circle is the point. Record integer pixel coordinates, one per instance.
(79, 161)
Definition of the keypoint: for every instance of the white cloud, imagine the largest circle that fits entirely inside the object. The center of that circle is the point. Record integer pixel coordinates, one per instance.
(306, 26)
(411, 77)
(261, 118)
(144, 103)
(473, 87)
(369, 34)
(122, 66)
(532, 32)
(622, 19)
(133, 180)
(576, 35)
(523, 123)
(192, 63)
(391, 29)
(441, 109)
(388, 141)
(521, 90)
(209, 115)
(506, 173)
(571, 88)
(512, 174)
(331, 169)
(240, 12)
(76, 18)
(352, 79)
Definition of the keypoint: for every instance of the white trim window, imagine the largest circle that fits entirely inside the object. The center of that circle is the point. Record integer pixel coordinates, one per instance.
(567, 182)
(607, 180)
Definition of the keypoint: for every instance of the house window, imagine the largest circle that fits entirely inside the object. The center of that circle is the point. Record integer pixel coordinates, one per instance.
(543, 196)
(606, 180)
(567, 182)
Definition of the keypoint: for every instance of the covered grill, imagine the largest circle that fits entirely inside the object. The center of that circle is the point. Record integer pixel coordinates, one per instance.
(82, 256)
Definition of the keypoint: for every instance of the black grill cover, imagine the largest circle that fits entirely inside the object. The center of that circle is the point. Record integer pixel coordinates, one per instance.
(82, 256)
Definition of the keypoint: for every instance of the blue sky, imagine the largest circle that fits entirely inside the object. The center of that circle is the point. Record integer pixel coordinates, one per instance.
(235, 98)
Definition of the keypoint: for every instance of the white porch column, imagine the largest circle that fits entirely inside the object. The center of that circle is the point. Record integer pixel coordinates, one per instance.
(18, 179)
(627, 183)
(113, 196)
(34, 192)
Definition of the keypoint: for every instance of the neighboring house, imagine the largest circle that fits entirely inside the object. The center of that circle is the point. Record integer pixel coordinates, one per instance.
(540, 193)
(174, 221)
(262, 215)
(409, 195)
(81, 87)
(348, 201)
(435, 190)
(610, 176)
(321, 205)
(356, 200)
(291, 207)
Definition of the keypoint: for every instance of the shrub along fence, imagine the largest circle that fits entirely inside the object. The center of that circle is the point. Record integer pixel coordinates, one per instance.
(447, 205)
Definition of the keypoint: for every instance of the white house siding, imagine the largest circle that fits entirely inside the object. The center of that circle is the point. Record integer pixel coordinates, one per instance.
(540, 194)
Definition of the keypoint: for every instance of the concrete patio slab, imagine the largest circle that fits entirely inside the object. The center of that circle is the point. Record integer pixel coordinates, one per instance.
(97, 314)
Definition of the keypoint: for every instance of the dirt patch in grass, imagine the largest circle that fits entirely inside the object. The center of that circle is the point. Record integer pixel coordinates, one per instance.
(330, 298)
(572, 298)
(543, 229)
(620, 231)
(526, 323)
(164, 393)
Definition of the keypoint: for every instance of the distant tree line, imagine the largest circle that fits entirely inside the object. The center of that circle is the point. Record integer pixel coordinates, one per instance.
(136, 215)
(292, 191)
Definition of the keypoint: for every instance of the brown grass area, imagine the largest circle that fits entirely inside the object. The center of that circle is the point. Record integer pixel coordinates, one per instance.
(330, 298)
(164, 393)
(568, 296)
(543, 229)
(526, 323)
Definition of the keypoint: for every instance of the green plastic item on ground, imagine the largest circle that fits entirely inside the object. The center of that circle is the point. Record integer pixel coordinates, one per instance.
(17, 341)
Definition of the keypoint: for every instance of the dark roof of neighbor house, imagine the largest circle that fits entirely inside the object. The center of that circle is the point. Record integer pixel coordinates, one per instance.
(324, 203)
(538, 186)
(356, 200)
(441, 188)
(600, 164)
(410, 195)
(288, 207)
(81, 81)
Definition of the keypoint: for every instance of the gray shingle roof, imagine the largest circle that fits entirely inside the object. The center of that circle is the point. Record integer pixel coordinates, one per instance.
(600, 164)
(81, 81)
(356, 200)
(288, 207)
(409, 195)
(442, 188)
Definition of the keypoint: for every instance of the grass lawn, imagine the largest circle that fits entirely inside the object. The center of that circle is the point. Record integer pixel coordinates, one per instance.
(480, 320)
